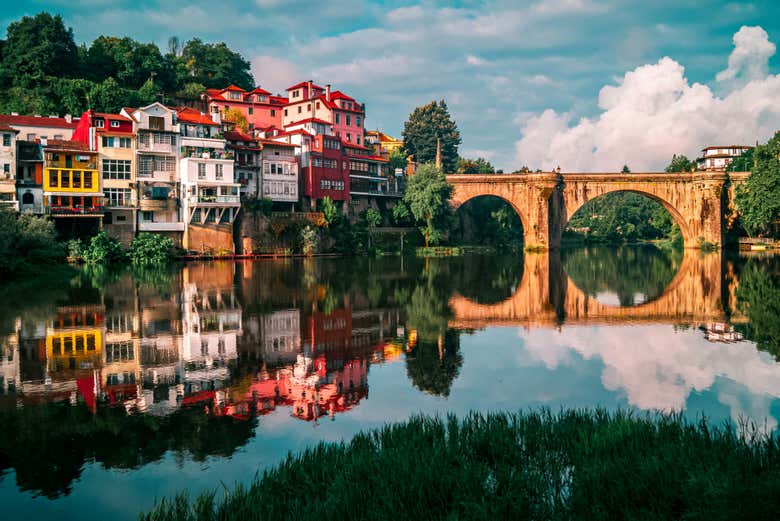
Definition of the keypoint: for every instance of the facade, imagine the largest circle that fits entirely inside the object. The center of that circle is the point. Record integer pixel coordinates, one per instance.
(29, 176)
(719, 157)
(383, 144)
(72, 188)
(246, 154)
(210, 195)
(111, 135)
(260, 107)
(324, 170)
(157, 170)
(40, 127)
(8, 167)
(279, 179)
(307, 100)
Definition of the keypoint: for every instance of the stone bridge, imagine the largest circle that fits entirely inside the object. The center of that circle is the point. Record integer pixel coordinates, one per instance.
(546, 296)
(546, 201)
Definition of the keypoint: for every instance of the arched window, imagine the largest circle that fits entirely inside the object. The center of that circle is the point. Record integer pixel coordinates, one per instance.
(28, 198)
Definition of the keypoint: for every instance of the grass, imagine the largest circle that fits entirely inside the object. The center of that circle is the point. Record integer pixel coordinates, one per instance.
(577, 464)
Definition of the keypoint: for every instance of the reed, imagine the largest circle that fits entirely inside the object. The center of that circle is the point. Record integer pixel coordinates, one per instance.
(576, 464)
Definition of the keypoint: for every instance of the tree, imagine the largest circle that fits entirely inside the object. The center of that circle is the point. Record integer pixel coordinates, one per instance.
(680, 164)
(424, 126)
(397, 160)
(38, 47)
(215, 65)
(758, 199)
(474, 166)
(236, 117)
(742, 163)
(428, 196)
(626, 170)
(329, 210)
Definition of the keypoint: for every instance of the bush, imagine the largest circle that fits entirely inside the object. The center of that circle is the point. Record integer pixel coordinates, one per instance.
(27, 242)
(103, 249)
(75, 250)
(309, 240)
(150, 249)
(577, 464)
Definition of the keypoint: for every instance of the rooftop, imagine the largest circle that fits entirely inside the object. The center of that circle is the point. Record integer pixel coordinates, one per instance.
(37, 121)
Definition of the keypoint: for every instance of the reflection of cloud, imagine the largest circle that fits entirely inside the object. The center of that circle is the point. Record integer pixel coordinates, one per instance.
(658, 369)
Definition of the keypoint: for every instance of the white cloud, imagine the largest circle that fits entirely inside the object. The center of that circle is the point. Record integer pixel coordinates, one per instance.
(654, 112)
(275, 74)
(474, 60)
(750, 58)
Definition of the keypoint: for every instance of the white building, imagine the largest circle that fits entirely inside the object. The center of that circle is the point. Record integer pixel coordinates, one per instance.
(719, 157)
(8, 166)
(279, 172)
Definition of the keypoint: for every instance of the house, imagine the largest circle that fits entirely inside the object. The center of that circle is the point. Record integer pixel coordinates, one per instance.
(157, 170)
(307, 100)
(8, 167)
(383, 144)
(279, 178)
(246, 154)
(719, 157)
(260, 107)
(41, 127)
(371, 183)
(111, 135)
(72, 188)
(209, 192)
(29, 176)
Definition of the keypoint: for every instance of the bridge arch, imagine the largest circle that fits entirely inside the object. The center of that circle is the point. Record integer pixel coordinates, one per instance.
(571, 205)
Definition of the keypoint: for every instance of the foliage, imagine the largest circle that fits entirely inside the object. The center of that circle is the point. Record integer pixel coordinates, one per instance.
(432, 366)
(625, 170)
(27, 243)
(397, 160)
(424, 126)
(487, 220)
(428, 198)
(329, 210)
(150, 249)
(259, 205)
(743, 162)
(474, 166)
(680, 164)
(309, 240)
(758, 298)
(758, 199)
(576, 464)
(103, 249)
(75, 249)
(621, 217)
(236, 117)
(43, 71)
(373, 218)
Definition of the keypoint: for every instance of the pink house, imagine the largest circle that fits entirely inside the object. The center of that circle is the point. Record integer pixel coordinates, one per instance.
(310, 102)
(261, 108)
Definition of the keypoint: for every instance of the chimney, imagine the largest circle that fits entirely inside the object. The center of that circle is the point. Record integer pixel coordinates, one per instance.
(36, 115)
(308, 87)
(14, 113)
(68, 118)
(327, 92)
(53, 116)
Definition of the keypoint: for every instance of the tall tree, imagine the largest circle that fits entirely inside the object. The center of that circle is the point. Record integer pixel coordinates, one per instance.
(680, 164)
(474, 166)
(428, 197)
(743, 163)
(215, 65)
(424, 126)
(758, 199)
(38, 47)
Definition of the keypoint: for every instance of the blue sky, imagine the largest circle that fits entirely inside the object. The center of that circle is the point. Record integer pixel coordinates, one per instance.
(518, 76)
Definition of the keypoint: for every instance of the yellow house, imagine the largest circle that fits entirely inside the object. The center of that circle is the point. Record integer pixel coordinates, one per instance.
(384, 144)
(72, 189)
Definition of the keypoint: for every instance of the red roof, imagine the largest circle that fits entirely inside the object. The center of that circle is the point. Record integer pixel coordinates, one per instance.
(304, 84)
(309, 120)
(337, 94)
(371, 158)
(36, 121)
(188, 115)
(354, 145)
(234, 88)
(66, 144)
(7, 128)
(109, 117)
(233, 135)
(258, 90)
(278, 143)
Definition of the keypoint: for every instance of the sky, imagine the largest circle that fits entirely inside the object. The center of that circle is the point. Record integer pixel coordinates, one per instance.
(586, 85)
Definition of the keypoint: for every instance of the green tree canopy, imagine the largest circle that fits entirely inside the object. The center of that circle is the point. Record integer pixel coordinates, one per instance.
(215, 65)
(680, 164)
(397, 160)
(742, 163)
(474, 166)
(424, 126)
(758, 199)
(428, 197)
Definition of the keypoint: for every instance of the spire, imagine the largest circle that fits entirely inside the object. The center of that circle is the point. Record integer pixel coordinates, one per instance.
(438, 152)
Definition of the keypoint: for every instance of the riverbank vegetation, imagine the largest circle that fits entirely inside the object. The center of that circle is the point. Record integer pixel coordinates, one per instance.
(28, 244)
(758, 199)
(577, 464)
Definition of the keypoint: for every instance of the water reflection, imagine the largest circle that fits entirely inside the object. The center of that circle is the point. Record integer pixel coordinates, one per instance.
(125, 368)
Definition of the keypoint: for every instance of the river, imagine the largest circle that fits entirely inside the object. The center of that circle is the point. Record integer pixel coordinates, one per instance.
(122, 386)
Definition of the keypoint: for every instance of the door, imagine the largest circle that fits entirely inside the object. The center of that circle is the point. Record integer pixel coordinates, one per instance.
(68, 161)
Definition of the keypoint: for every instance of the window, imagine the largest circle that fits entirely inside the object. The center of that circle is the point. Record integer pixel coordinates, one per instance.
(235, 95)
(54, 178)
(251, 111)
(65, 180)
(116, 169)
(87, 179)
(201, 170)
(308, 107)
(117, 196)
(357, 121)
(100, 123)
(299, 109)
(57, 136)
(295, 94)
(30, 137)
(156, 123)
(285, 112)
(219, 171)
(338, 118)
(6, 140)
(76, 179)
(349, 120)
(357, 139)
(273, 112)
(317, 106)
(114, 124)
(147, 216)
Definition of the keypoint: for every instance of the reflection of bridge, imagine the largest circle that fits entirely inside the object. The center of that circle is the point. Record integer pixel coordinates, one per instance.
(546, 201)
(547, 296)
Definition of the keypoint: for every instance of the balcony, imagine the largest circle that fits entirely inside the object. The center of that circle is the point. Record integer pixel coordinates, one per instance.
(158, 205)
(146, 226)
(158, 175)
(162, 148)
(372, 192)
(74, 211)
(214, 200)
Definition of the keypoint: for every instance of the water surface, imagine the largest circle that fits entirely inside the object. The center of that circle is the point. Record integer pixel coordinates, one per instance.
(121, 387)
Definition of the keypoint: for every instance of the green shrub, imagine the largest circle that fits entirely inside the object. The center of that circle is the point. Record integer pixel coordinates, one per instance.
(26, 243)
(150, 249)
(103, 249)
(75, 250)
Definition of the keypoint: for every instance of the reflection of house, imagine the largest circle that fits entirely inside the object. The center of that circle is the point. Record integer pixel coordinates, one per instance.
(720, 332)
(281, 336)
(9, 361)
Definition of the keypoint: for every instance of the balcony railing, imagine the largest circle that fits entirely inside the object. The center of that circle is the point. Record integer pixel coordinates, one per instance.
(146, 226)
(75, 210)
(214, 199)
(157, 175)
(156, 147)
